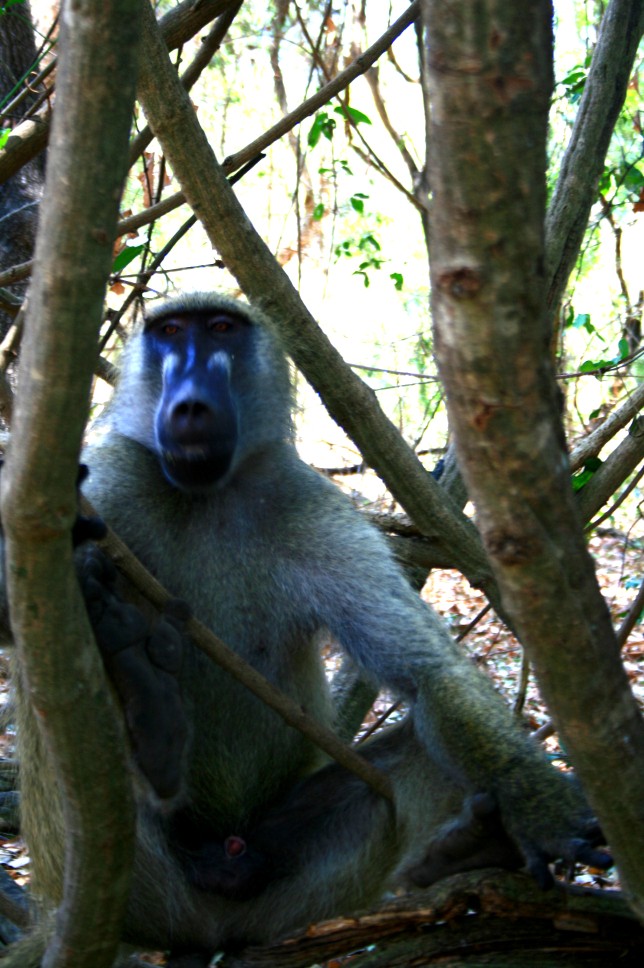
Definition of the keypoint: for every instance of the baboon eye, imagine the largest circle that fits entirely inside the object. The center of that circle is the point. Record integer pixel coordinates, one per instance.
(221, 324)
(170, 329)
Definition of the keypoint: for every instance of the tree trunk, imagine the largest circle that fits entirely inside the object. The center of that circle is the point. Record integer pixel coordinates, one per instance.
(489, 78)
(61, 678)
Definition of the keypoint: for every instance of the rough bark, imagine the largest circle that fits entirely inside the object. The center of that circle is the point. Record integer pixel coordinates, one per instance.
(481, 918)
(61, 673)
(489, 81)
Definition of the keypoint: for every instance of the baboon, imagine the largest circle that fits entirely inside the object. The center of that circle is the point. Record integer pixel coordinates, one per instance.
(196, 469)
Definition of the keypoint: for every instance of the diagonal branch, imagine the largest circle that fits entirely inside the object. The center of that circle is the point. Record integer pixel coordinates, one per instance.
(576, 190)
(349, 401)
(339, 83)
(290, 711)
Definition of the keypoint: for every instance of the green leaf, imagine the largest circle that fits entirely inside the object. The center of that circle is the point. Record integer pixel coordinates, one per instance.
(624, 350)
(369, 241)
(588, 326)
(4, 136)
(589, 366)
(582, 319)
(328, 129)
(315, 133)
(318, 212)
(357, 117)
(322, 125)
(574, 84)
(398, 280)
(581, 478)
(125, 256)
(365, 277)
(633, 179)
(357, 202)
(330, 171)
(575, 75)
(605, 181)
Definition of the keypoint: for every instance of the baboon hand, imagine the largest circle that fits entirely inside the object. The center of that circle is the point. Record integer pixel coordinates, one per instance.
(144, 665)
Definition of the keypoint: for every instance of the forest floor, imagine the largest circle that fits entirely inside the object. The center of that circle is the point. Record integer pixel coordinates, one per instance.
(620, 572)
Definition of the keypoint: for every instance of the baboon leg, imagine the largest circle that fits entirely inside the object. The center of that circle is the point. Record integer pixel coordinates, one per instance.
(331, 845)
(275, 847)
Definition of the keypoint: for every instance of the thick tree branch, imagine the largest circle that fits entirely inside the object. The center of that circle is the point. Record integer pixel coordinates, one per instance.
(439, 927)
(61, 676)
(178, 26)
(591, 445)
(613, 472)
(182, 22)
(209, 47)
(489, 78)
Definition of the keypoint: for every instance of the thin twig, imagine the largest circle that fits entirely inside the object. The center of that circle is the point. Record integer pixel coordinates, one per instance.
(620, 500)
(631, 618)
(318, 100)
(133, 223)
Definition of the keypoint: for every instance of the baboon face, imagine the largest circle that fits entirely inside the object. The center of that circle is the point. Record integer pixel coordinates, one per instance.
(196, 423)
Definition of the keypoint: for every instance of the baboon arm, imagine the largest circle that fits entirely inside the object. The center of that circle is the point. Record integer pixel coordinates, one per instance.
(459, 718)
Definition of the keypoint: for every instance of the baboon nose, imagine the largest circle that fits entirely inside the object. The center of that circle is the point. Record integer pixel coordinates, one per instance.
(191, 421)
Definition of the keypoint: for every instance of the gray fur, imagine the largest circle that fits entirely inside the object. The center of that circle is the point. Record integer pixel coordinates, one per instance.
(269, 558)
